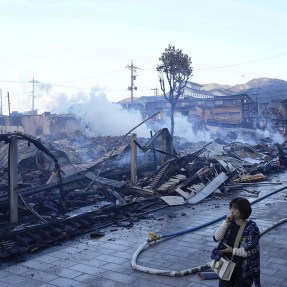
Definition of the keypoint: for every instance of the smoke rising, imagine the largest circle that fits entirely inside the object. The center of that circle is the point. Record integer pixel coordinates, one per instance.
(184, 129)
(248, 136)
(99, 116)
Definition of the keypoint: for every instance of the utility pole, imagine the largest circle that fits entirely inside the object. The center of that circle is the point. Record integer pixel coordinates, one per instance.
(1, 111)
(155, 90)
(33, 94)
(133, 69)
(9, 109)
(8, 103)
(133, 159)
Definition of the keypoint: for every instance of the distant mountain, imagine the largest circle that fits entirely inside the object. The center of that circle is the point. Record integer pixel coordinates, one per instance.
(267, 90)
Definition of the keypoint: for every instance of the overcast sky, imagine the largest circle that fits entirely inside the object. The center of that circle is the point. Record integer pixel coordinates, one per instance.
(71, 46)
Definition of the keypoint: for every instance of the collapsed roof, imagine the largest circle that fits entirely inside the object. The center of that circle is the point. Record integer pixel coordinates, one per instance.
(57, 182)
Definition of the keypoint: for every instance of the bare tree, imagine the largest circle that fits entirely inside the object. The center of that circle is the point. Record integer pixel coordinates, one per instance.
(174, 71)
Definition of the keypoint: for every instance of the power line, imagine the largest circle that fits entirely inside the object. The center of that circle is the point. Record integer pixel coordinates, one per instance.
(90, 77)
(133, 70)
(243, 63)
(16, 82)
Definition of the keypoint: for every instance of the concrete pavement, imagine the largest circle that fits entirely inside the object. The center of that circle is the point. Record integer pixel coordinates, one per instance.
(105, 261)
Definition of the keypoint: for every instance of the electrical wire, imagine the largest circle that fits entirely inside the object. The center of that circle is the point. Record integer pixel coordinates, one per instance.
(243, 63)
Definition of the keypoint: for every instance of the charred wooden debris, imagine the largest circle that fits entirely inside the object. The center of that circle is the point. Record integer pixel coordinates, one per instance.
(65, 188)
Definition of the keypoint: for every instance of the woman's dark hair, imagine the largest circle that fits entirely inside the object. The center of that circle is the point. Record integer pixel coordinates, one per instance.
(243, 205)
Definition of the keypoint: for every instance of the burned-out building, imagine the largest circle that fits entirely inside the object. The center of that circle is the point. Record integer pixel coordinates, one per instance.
(282, 122)
(40, 125)
(271, 117)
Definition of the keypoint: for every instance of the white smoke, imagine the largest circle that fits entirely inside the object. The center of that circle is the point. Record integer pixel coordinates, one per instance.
(103, 118)
(275, 137)
(249, 136)
(99, 116)
(184, 129)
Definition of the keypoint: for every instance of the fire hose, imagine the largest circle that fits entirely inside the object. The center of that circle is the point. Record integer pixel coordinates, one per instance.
(155, 239)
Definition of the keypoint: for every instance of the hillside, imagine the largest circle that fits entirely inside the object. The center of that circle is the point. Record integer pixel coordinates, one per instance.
(266, 89)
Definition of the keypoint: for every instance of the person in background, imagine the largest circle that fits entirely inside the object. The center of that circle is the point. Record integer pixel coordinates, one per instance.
(247, 254)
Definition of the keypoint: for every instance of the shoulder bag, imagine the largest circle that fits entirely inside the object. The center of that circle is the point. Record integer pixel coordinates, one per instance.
(224, 267)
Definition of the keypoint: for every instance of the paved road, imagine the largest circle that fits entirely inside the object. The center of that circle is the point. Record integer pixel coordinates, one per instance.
(105, 261)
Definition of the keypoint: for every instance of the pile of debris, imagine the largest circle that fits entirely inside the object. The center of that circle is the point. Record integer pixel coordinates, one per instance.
(58, 179)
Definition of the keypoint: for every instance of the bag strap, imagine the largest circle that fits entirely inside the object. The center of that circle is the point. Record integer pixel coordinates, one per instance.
(240, 231)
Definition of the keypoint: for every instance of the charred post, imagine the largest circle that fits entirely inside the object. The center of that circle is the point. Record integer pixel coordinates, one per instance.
(13, 179)
(133, 159)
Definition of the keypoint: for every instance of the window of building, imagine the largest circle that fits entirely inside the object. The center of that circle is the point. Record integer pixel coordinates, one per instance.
(200, 102)
(236, 102)
(220, 102)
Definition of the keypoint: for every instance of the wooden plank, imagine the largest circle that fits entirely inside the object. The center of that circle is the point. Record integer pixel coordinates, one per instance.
(209, 189)
(183, 193)
(173, 200)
